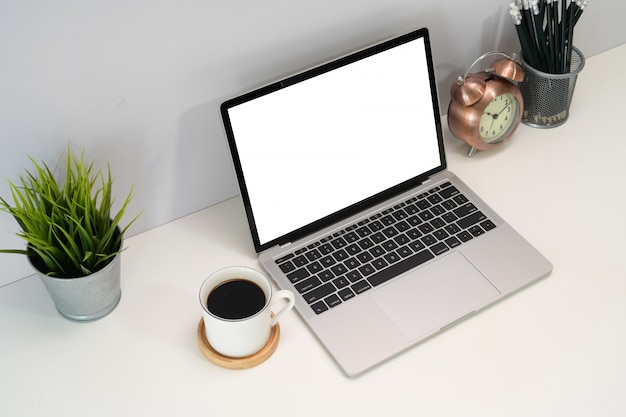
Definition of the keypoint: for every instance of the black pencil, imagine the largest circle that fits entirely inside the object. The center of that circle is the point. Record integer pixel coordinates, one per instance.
(546, 32)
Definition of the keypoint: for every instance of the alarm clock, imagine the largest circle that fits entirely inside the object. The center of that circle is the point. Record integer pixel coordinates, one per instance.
(486, 107)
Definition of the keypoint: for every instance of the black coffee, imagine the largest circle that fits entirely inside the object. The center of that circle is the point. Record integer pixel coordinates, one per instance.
(236, 299)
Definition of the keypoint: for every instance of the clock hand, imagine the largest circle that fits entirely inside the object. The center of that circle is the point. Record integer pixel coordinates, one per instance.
(505, 107)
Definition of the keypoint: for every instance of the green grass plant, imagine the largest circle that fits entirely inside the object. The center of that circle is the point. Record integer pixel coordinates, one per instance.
(69, 227)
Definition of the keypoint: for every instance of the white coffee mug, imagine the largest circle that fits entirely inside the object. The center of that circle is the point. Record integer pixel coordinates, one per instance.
(244, 336)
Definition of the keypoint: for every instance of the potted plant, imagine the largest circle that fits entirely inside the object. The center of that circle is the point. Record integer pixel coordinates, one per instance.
(73, 239)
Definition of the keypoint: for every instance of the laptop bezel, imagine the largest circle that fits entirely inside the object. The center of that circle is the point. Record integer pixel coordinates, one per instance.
(308, 74)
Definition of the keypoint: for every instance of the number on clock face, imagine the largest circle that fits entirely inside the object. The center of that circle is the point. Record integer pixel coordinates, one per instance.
(498, 118)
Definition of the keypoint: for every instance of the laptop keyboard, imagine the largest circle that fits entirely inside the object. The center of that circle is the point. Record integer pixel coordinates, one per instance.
(364, 255)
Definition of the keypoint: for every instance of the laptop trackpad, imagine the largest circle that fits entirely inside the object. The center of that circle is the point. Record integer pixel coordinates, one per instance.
(434, 296)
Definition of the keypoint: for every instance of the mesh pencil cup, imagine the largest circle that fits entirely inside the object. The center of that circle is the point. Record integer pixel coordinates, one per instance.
(547, 97)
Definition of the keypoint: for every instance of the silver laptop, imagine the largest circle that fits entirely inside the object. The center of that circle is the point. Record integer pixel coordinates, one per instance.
(343, 177)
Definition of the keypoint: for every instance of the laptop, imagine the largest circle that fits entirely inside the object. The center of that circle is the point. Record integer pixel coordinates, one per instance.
(343, 177)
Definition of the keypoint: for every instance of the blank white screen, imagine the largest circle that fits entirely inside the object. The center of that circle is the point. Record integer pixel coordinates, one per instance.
(320, 145)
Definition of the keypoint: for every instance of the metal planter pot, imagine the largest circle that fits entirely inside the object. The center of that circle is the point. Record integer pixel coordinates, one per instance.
(86, 298)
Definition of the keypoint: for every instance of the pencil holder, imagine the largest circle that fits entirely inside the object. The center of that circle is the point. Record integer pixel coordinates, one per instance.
(547, 97)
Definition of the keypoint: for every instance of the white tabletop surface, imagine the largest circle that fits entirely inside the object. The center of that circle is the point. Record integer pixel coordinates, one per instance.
(554, 349)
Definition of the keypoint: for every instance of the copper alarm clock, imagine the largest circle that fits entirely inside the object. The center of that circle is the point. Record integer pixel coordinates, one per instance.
(486, 107)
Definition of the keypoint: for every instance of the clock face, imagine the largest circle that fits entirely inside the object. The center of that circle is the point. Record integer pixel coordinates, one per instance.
(499, 118)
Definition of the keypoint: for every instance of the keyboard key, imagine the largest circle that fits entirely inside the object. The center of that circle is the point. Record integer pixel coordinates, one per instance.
(379, 264)
(422, 204)
(460, 199)
(300, 261)
(307, 284)
(452, 242)
(405, 251)
(464, 236)
(411, 209)
(414, 221)
(488, 225)
(333, 300)
(476, 231)
(298, 275)
(313, 255)
(319, 293)
(353, 249)
(390, 245)
(453, 229)
(426, 215)
(284, 258)
(351, 237)
(366, 243)
(449, 217)
(361, 286)
(449, 205)
(401, 240)
(437, 210)
(387, 220)
(328, 261)
(338, 243)
(367, 269)
(326, 248)
(346, 294)
(390, 232)
(376, 225)
(319, 307)
(377, 251)
(352, 263)
(402, 226)
(414, 234)
(437, 223)
(326, 275)
(341, 282)
(287, 267)
(315, 267)
(364, 257)
(470, 220)
(417, 246)
(339, 269)
(340, 255)
(354, 276)
(364, 231)
(400, 267)
(439, 248)
(392, 257)
(399, 215)
(464, 210)
(449, 192)
(440, 234)
(378, 237)
(429, 240)
(426, 228)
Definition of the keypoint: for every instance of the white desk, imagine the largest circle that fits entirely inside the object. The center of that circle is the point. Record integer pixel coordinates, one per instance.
(554, 349)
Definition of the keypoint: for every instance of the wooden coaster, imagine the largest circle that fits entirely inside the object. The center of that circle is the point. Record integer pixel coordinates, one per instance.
(238, 363)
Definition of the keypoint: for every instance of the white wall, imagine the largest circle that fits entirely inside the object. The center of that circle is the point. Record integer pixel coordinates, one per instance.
(138, 82)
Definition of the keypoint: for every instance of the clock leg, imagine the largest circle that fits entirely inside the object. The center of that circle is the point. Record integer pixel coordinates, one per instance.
(471, 151)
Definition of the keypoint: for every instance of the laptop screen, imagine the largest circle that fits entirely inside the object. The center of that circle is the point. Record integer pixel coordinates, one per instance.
(325, 142)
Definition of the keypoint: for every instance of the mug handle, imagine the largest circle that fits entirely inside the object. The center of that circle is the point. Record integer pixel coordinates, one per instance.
(280, 295)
